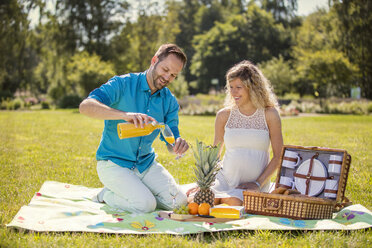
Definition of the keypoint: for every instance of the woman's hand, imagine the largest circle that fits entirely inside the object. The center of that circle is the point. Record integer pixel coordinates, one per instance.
(192, 190)
(249, 186)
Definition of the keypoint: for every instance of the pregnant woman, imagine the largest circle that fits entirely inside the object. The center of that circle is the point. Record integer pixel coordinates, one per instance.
(246, 126)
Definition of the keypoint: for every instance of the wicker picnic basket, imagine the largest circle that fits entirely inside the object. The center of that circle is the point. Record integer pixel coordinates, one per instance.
(302, 206)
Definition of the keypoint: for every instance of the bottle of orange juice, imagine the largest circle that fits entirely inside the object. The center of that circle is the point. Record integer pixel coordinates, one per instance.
(129, 130)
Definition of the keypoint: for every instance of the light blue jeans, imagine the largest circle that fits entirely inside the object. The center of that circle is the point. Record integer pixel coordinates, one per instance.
(132, 191)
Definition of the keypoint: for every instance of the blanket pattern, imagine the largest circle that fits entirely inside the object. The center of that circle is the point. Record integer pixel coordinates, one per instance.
(61, 207)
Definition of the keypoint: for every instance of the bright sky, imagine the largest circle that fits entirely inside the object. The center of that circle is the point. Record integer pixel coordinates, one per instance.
(306, 7)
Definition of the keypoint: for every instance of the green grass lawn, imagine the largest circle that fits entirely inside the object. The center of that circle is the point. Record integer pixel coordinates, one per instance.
(60, 146)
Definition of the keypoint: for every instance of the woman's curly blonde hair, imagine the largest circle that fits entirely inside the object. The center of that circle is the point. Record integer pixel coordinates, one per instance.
(259, 88)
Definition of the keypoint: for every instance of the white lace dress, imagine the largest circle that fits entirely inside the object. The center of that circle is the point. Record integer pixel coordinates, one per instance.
(247, 144)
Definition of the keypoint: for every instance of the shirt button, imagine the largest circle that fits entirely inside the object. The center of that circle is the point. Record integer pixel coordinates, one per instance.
(148, 110)
(139, 148)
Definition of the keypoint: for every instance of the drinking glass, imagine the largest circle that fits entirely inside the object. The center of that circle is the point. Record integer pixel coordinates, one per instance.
(169, 137)
(173, 190)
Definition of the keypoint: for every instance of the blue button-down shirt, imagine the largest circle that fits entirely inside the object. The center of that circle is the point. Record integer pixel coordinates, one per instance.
(131, 93)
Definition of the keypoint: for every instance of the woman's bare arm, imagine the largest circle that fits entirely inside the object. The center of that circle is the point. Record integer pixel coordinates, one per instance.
(275, 130)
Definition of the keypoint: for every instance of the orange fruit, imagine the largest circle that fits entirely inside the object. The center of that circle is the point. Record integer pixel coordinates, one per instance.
(204, 208)
(193, 208)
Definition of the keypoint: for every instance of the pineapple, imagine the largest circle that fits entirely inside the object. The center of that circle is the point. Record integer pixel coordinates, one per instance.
(205, 169)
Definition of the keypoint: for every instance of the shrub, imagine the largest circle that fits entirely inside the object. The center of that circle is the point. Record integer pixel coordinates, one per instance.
(179, 87)
(356, 108)
(70, 101)
(303, 106)
(45, 105)
(201, 104)
(10, 104)
(369, 108)
(289, 111)
(194, 109)
(17, 104)
(29, 101)
(4, 104)
(330, 106)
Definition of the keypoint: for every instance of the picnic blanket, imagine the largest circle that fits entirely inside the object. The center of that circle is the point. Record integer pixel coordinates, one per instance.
(62, 207)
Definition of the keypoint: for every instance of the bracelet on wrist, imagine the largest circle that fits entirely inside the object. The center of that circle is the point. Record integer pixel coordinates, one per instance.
(258, 184)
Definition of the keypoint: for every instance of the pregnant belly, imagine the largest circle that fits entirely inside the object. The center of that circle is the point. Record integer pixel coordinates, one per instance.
(241, 165)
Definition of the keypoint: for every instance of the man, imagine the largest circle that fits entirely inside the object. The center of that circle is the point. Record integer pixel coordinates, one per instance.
(133, 180)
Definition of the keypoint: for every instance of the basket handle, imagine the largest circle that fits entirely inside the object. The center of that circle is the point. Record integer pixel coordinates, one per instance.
(345, 203)
(272, 204)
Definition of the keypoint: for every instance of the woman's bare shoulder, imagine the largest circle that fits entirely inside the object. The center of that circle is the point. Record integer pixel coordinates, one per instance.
(223, 114)
(272, 114)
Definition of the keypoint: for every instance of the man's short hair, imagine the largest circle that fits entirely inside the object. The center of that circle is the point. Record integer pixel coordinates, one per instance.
(166, 49)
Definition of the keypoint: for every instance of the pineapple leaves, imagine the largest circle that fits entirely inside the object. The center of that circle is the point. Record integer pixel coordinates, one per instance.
(206, 165)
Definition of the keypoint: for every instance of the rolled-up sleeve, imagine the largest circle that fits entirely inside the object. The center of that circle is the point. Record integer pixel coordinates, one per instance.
(109, 93)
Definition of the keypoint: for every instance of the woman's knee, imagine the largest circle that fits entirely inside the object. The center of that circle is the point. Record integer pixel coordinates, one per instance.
(232, 201)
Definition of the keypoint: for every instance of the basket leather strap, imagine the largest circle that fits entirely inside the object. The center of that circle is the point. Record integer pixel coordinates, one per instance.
(290, 159)
(311, 177)
(308, 176)
(335, 162)
(330, 191)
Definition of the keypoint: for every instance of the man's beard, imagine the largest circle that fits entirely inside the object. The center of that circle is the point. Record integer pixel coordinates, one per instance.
(156, 80)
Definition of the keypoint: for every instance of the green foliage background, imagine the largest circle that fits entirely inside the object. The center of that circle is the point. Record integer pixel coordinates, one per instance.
(323, 54)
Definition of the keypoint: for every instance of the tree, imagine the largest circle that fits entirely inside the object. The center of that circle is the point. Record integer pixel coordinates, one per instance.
(170, 26)
(136, 44)
(86, 72)
(54, 52)
(92, 22)
(207, 15)
(329, 72)
(14, 48)
(281, 75)
(253, 36)
(355, 25)
(282, 10)
(324, 70)
(179, 87)
(186, 11)
(318, 31)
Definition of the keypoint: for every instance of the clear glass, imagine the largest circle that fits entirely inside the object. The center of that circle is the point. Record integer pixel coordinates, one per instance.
(169, 137)
(173, 190)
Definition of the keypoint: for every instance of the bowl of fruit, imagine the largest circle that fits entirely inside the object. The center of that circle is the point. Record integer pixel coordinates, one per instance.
(181, 213)
(184, 212)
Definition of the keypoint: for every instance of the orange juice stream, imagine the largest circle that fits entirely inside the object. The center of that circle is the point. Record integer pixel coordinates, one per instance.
(129, 130)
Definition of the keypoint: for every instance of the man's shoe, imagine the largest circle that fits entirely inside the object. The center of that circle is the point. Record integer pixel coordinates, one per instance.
(99, 197)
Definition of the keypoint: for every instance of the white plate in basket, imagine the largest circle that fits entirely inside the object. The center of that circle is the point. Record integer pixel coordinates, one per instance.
(315, 187)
